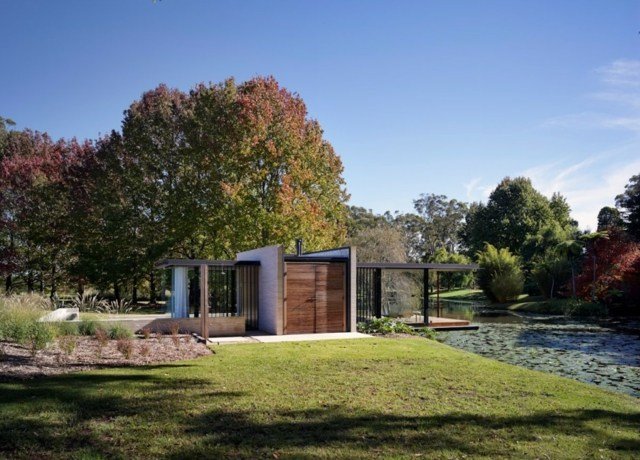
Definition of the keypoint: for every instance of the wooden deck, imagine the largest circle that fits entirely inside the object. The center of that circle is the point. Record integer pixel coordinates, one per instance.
(441, 324)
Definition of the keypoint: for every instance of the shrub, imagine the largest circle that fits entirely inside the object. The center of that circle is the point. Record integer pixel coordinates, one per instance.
(118, 332)
(385, 326)
(427, 333)
(88, 327)
(68, 343)
(18, 313)
(86, 302)
(175, 330)
(125, 346)
(144, 349)
(103, 338)
(500, 276)
(38, 335)
(67, 328)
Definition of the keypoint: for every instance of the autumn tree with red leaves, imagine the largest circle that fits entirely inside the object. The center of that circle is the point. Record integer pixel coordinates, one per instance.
(611, 270)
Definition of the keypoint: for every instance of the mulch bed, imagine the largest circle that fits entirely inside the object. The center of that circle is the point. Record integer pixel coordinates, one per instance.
(16, 363)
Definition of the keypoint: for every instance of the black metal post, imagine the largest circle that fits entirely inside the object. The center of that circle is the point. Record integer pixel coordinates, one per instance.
(378, 291)
(425, 296)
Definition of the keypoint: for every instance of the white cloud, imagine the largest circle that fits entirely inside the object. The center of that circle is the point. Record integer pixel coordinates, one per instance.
(622, 72)
(620, 81)
(588, 185)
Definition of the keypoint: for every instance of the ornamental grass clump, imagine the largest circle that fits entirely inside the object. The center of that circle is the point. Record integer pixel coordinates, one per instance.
(175, 331)
(125, 346)
(103, 339)
(20, 321)
(118, 331)
(68, 344)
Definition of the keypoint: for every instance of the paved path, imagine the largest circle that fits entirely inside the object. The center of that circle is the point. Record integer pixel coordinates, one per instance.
(267, 338)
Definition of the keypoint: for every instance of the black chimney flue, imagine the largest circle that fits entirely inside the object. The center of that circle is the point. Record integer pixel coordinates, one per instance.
(299, 247)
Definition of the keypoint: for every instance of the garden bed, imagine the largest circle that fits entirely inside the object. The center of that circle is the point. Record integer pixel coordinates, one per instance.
(79, 353)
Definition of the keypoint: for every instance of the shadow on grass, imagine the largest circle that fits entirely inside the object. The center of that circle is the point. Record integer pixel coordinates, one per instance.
(238, 434)
(54, 415)
(116, 414)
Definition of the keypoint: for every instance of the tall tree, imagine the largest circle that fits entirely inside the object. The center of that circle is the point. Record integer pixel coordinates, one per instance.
(514, 213)
(442, 221)
(629, 203)
(609, 217)
(279, 178)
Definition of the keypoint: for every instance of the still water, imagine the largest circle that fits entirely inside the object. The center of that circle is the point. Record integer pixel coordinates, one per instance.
(592, 352)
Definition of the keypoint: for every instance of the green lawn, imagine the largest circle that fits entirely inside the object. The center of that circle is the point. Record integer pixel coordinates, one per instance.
(461, 294)
(346, 399)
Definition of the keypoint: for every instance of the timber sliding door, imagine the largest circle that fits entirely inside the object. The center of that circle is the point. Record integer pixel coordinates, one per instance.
(315, 297)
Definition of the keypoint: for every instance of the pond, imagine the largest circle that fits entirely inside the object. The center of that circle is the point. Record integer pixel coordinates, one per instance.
(598, 353)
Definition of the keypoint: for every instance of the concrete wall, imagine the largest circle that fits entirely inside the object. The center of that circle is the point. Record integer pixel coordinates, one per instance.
(62, 314)
(222, 326)
(270, 287)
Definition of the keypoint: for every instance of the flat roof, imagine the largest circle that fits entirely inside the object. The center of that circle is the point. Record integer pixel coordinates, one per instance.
(415, 266)
(166, 263)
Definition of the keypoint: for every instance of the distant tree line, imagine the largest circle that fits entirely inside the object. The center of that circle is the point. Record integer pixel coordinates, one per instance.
(199, 174)
(525, 242)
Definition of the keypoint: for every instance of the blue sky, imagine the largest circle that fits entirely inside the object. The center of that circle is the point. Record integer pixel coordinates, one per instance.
(417, 97)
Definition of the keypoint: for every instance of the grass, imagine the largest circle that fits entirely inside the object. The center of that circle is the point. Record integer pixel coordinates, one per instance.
(461, 294)
(334, 399)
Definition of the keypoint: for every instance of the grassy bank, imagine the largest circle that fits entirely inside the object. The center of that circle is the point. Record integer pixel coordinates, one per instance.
(530, 304)
(346, 399)
(461, 294)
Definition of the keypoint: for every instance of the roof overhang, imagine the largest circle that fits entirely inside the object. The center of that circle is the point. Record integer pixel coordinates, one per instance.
(413, 266)
(168, 263)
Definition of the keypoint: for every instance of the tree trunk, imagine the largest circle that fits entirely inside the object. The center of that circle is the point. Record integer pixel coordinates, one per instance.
(41, 284)
(116, 291)
(134, 294)
(152, 288)
(30, 282)
(573, 281)
(8, 283)
(80, 287)
(53, 282)
(553, 285)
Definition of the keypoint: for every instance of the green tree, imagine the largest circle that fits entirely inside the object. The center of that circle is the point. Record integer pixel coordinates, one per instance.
(514, 213)
(629, 203)
(453, 279)
(442, 219)
(609, 217)
(500, 276)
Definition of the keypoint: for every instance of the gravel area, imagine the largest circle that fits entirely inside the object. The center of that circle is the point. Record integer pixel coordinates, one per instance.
(62, 356)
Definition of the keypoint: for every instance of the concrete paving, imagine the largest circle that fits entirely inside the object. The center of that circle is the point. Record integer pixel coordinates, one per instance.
(267, 338)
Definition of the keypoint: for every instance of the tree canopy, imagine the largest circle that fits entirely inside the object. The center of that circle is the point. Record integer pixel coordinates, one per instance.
(629, 203)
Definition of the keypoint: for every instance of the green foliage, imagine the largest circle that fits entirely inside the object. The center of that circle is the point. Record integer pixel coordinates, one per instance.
(550, 273)
(514, 214)
(500, 276)
(451, 280)
(385, 325)
(427, 333)
(67, 328)
(629, 203)
(88, 327)
(38, 335)
(118, 332)
(18, 314)
(609, 217)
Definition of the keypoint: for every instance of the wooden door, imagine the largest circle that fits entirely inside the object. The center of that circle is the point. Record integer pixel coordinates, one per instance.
(330, 297)
(300, 299)
(315, 298)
